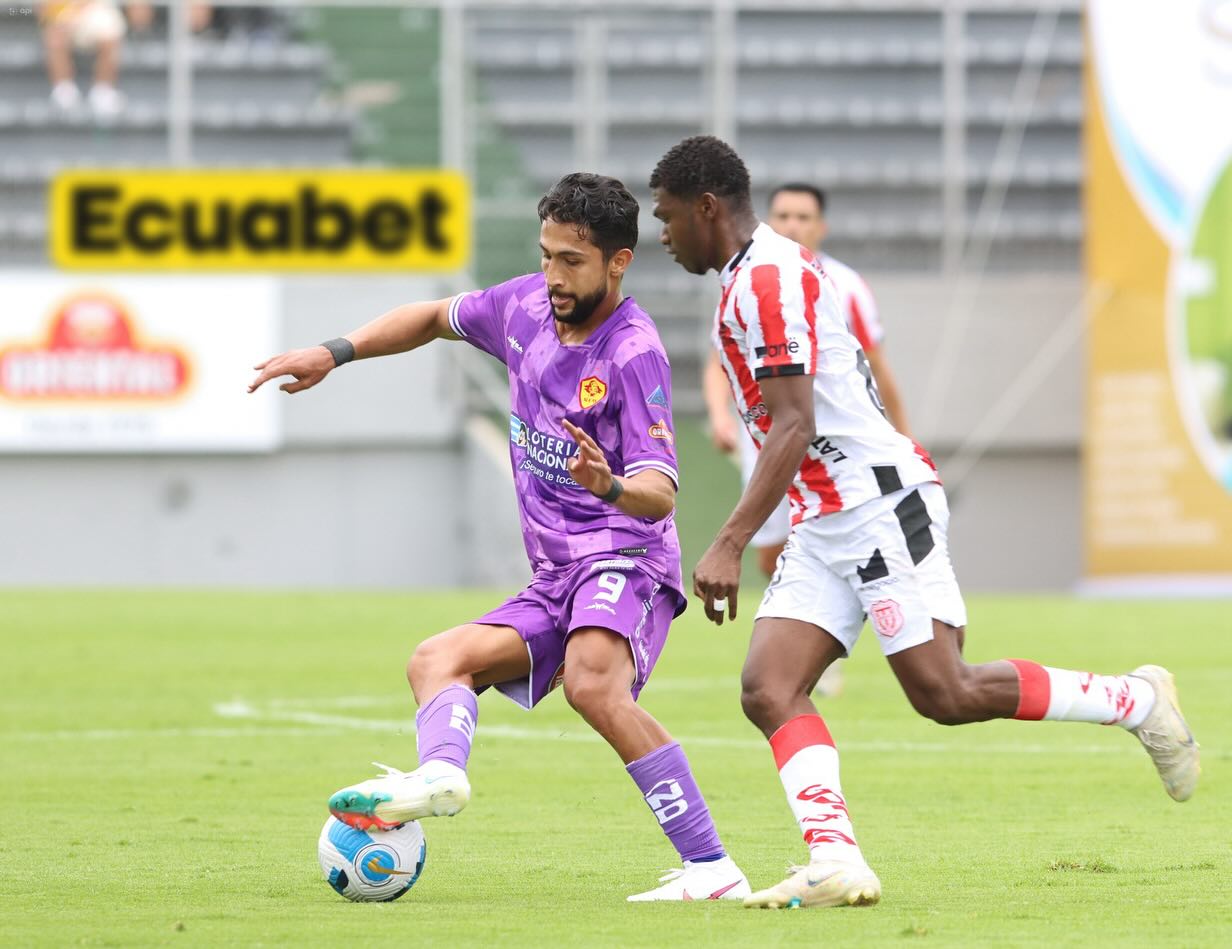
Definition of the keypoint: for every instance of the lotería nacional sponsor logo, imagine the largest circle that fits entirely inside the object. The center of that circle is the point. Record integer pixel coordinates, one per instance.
(260, 219)
(545, 456)
(92, 352)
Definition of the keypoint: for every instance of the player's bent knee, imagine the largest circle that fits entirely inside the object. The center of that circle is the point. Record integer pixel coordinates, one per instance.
(594, 697)
(432, 658)
(763, 706)
(941, 703)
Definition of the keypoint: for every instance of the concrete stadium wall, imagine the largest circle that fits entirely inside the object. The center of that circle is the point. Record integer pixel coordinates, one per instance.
(1016, 518)
(382, 483)
(365, 492)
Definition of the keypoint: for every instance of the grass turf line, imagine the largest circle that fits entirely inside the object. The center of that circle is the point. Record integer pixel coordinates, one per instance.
(139, 816)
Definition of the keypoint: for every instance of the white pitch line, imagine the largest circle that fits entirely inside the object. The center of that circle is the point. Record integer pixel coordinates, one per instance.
(296, 715)
(240, 709)
(120, 734)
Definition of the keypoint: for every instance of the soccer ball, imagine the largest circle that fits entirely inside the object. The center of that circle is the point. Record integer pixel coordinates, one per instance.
(371, 866)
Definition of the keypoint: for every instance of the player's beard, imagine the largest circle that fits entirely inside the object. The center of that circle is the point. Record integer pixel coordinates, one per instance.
(583, 306)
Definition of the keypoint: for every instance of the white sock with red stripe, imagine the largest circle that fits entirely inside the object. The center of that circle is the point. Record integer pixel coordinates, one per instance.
(808, 767)
(1061, 695)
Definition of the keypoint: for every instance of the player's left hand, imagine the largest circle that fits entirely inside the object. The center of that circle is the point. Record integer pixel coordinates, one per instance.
(589, 466)
(308, 366)
(717, 578)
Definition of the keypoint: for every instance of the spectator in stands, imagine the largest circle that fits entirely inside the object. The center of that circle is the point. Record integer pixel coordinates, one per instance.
(99, 26)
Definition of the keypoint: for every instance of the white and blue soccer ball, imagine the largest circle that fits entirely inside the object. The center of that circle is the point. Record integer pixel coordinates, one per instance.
(373, 866)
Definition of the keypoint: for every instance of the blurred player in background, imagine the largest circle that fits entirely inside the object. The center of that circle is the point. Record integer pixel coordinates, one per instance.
(798, 211)
(591, 442)
(869, 522)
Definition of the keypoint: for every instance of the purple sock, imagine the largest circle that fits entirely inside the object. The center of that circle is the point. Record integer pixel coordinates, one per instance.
(667, 784)
(446, 725)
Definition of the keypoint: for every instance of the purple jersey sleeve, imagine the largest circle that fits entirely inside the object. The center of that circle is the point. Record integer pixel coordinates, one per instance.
(479, 317)
(647, 435)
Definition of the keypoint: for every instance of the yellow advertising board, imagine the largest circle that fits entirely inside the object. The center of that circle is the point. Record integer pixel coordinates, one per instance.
(259, 220)
(1158, 257)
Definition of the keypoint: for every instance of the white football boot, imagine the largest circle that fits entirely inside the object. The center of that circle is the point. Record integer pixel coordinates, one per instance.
(1166, 737)
(716, 880)
(434, 789)
(822, 883)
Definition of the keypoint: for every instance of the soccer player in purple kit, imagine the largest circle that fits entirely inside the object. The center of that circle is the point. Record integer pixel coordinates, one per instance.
(591, 445)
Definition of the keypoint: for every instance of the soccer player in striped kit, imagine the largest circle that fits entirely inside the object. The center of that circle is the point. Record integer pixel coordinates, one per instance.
(869, 521)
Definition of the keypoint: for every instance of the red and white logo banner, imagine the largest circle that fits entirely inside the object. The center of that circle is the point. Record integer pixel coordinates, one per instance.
(134, 364)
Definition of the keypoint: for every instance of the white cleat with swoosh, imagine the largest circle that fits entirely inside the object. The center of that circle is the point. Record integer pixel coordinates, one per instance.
(1167, 738)
(714, 880)
(434, 789)
(823, 883)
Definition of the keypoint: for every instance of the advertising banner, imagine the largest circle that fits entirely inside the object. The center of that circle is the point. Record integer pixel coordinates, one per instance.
(135, 364)
(259, 220)
(1158, 140)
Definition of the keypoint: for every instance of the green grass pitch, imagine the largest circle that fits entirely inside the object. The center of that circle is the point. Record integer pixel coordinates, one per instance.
(167, 757)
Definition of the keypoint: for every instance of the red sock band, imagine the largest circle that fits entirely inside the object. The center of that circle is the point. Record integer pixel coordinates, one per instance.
(799, 732)
(1034, 690)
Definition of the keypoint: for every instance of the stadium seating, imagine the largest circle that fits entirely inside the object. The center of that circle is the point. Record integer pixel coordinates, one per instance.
(849, 97)
(254, 104)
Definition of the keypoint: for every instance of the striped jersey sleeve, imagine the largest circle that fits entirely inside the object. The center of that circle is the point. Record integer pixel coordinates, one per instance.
(862, 316)
(779, 307)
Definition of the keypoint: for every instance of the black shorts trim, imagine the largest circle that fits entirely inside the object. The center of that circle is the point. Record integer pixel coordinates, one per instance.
(913, 518)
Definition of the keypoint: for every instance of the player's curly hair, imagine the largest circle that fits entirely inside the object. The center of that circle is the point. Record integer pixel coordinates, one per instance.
(602, 208)
(703, 164)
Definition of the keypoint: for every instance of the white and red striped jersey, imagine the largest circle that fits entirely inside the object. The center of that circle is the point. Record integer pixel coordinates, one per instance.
(855, 302)
(779, 315)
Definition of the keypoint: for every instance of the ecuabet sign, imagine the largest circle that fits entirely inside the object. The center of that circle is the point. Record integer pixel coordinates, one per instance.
(259, 220)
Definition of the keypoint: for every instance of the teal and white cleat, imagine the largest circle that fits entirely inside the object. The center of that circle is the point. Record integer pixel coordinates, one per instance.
(717, 880)
(1167, 738)
(824, 883)
(435, 789)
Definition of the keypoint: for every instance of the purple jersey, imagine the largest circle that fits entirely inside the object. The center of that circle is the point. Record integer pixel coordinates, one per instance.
(616, 386)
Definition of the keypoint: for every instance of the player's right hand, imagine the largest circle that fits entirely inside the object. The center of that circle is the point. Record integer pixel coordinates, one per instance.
(308, 366)
(723, 432)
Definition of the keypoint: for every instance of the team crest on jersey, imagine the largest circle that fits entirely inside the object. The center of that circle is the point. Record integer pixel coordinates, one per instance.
(887, 617)
(591, 391)
(660, 431)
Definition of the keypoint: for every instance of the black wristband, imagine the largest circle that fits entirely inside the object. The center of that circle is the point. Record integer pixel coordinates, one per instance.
(343, 350)
(615, 491)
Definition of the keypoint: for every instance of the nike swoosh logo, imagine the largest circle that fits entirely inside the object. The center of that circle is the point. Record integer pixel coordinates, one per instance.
(719, 893)
(374, 866)
(828, 876)
(439, 777)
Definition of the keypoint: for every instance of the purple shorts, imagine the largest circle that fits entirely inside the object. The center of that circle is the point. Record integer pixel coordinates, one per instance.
(611, 593)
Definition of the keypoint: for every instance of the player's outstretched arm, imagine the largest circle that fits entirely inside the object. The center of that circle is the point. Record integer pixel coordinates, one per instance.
(789, 400)
(887, 388)
(648, 493)
(717, 392)
(400, 330)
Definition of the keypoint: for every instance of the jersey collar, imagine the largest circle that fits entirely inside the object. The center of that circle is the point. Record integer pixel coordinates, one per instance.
(729, 270)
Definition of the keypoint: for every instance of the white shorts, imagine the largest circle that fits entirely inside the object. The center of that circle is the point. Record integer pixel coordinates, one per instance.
(887, 559)
(778, 525)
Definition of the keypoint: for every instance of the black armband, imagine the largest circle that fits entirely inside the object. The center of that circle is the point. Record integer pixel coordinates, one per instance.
(343, 350)
(615, 491)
